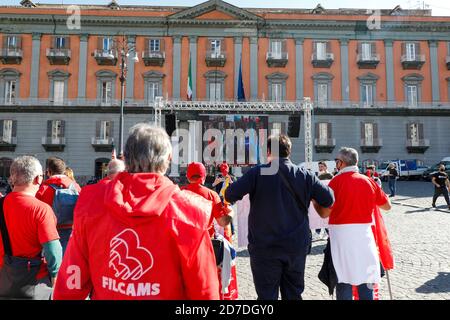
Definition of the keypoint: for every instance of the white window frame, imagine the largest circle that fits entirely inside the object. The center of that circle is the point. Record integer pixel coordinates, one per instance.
(106, 97)
(216, 47)
(11, 42)
(366, 51)
(7, 131)
(60, 42)
(323, 133)
(154, 45)
(105, 127)
(410, 51)
(153, 90)
(58, 91)
(215, 91)
(321, 48)
(276, 48)
(56, 131)
(414, 131)
(10, 91)
(277, 92)
(368, 94)
(368, 134)
(322, 88)
(412, 95)
(108, 41)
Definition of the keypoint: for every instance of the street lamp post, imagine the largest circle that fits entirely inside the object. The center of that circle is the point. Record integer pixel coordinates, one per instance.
(125, 51)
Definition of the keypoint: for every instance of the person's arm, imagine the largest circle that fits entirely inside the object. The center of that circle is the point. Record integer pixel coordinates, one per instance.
(382, 200)
(53, 256)
(433, 180)
(198, 264)
(322, 197)
(74, 278)
(217, 181)
(244, 185)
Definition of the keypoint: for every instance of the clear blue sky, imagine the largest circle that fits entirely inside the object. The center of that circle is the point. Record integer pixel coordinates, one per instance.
(439, 7)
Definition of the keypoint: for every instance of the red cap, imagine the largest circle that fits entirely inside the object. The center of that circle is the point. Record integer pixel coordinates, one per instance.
(224, 169)
(196, 169)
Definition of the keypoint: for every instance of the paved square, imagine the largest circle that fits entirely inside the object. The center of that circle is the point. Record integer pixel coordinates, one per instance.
(421, 242)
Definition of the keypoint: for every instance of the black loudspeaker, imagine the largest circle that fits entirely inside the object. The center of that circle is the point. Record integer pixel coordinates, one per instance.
(294, 126)
(171, 123)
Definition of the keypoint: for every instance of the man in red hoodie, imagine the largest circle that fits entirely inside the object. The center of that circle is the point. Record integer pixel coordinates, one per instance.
(56, 169)
(140, 236)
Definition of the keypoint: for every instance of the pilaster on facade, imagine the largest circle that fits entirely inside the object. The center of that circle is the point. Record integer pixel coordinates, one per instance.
(237, 63)
(388, 45)
(434, 62)
(35, 64)
(254, 68)
(131, 43)
(82, 65)
(193, 60)
(299, 73)
(176, 78)
(345, 70)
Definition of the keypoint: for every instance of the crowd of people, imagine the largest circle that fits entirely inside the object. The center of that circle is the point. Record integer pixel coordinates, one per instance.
(137, 235)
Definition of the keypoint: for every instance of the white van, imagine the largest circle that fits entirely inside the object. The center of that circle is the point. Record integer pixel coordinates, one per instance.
(315, 166)
(446, 159)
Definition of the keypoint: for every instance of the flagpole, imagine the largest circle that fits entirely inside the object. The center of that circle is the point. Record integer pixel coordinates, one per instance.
(389, 284)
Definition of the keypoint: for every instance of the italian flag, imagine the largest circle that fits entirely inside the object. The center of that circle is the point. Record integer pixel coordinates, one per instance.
(189, 82)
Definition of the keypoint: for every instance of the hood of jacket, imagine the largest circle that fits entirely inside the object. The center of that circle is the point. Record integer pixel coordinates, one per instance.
(138, 195)
(59, 180)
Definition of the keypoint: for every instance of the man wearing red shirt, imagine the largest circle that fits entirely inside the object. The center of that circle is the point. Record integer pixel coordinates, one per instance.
(196, 174)
(140, 236)
(31, 226)
(353, 249)
(56, 168)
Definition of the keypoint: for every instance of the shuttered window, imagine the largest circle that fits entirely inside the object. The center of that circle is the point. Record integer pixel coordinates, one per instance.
(58, 91)
(106, 92)
(215, 91)
(153, 91)
(411, 92)
(154, 45)
(10, 91)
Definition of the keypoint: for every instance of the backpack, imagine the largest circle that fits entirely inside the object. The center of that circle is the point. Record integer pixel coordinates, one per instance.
(64, 203)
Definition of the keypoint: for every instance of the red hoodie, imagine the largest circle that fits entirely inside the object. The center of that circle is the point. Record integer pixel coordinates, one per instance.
(46, 193)
(139, 237)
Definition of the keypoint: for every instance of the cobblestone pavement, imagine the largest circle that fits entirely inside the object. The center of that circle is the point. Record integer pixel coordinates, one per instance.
(421, 242)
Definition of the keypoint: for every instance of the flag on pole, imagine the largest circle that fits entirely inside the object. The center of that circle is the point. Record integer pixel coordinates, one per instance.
(189, 82)
(113, 154)
(241, 92)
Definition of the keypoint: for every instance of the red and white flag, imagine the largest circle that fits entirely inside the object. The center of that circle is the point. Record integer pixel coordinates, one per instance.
(113, 154)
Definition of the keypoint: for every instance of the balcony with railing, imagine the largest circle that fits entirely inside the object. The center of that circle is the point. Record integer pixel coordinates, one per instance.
(53, 143)
(58, 56)
(106, 57)
(371, 146)
(414, 62)
(324, 145)
(277, 59)
(102, 144)
(370, 61)
(153, 58)
(8, 143)
(215, 58)
(417, 145)
(11, 55)
(322, 61)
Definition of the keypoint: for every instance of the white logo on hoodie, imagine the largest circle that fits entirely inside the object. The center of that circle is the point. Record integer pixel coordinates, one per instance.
(128, 259)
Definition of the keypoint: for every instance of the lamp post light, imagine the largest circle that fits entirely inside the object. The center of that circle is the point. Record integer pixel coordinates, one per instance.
(125, 50)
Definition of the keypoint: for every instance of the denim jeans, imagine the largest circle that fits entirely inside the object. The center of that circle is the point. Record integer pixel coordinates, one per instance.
(392, 186)
(438, 192)
(344, 291)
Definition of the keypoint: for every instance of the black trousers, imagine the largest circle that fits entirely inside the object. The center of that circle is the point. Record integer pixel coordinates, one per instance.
(283, 273)
(444, 192)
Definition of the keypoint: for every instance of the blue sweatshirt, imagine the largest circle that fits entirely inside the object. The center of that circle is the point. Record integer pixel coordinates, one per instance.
(276, 223)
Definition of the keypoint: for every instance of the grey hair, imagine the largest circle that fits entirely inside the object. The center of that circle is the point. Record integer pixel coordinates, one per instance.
(24, 169)
(115, 166)
(147, 149)
(349, 156)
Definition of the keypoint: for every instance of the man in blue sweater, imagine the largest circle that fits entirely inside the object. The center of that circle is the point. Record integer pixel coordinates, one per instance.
(278, 225)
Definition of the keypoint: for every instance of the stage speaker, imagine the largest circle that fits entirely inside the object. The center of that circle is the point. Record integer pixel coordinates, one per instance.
(294, 127)
(171, 123)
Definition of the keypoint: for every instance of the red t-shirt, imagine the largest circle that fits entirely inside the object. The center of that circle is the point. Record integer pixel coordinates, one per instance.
(356, 196)
(208, 194)
(30, 223)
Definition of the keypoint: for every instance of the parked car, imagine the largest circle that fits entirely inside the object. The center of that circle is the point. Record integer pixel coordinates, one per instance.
(408, 169)
(427, 173)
